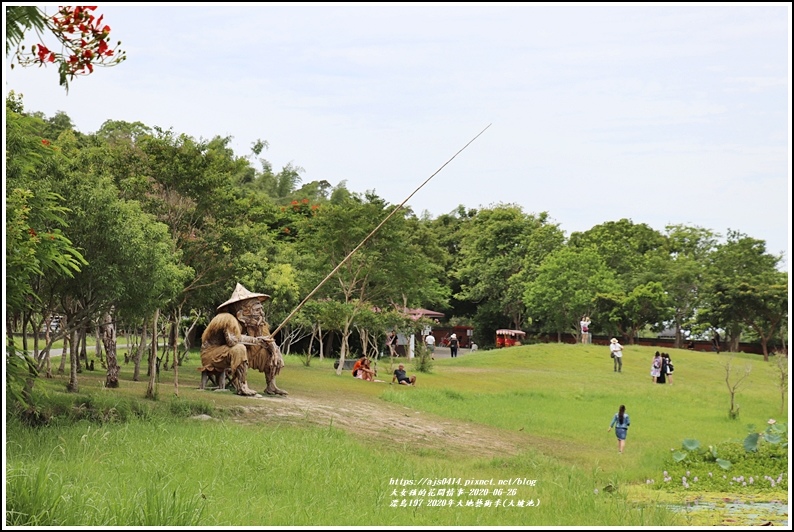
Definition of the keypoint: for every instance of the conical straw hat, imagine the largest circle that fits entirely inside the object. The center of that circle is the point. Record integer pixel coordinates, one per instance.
(241, 293)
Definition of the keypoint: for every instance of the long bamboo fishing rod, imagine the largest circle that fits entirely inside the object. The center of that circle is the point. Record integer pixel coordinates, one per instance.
(397, 208)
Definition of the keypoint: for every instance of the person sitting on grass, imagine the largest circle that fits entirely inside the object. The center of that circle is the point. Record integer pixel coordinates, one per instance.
(362, 369)
(366, 372)
(358, 364)
(402, 378)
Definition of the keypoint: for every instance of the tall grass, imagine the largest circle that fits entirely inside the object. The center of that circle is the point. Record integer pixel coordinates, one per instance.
(194, 473)
(108, 457)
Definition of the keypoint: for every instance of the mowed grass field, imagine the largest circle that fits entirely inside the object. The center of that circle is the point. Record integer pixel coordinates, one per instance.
(556, 399)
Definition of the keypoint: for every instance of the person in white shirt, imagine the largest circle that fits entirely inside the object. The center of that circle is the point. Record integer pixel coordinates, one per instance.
(617, 354)
(585, 328)
(430, 342)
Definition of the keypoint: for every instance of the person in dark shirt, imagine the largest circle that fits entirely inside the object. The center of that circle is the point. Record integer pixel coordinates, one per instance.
(453, 345)
(402, 378)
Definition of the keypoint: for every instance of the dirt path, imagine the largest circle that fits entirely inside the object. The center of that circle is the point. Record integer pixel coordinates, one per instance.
(385, 422)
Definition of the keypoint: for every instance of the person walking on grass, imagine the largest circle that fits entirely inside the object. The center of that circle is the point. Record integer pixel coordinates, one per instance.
(453, 345)
(616, 352)
(621, 423)
(391, 343)
(430, 342)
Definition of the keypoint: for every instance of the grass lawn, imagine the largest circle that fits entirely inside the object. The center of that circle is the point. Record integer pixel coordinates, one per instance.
(545, 407)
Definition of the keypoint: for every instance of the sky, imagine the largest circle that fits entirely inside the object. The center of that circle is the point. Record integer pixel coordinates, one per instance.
(659, 113)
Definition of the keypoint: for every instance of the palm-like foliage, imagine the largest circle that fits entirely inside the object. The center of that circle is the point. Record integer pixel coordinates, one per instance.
(20, 19)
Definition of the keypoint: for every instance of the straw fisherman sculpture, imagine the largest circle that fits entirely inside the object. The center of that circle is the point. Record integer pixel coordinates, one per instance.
(238, 338)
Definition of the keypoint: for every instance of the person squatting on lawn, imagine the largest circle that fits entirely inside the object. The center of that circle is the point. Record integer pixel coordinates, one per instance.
(402, 378)
(621, 423)
(616, 352)
(237, 338)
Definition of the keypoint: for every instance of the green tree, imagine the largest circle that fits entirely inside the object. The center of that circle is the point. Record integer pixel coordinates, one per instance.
(644, 305)
(500, 249)
(132, 262)
(742, 278)
(760, 305)
(625, 247)
(566, 286)
(681, 268)
(379, 274)
(113, 131)
(37, 248)
(447, 231)
(35, 242)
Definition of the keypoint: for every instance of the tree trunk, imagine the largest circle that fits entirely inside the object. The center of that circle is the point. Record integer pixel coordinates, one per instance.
(66, 343)
(678, 341)
(345, 346)
(765, 343)
(735, 334)
(130, 335)
(36, 328)
(150, 392)
(320, 340)
(45, 353)
(108, 330)
(136, 373)
(98, 340)
(9, 331)
(83, 355)
(73, 363)
(329, 343)
(25, 320)
(188, 334)
(166, 356)
(175, 341)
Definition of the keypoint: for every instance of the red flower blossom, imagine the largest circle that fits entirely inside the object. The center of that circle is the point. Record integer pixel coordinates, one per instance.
(45, 142)
(84, 42)
(43, 51)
